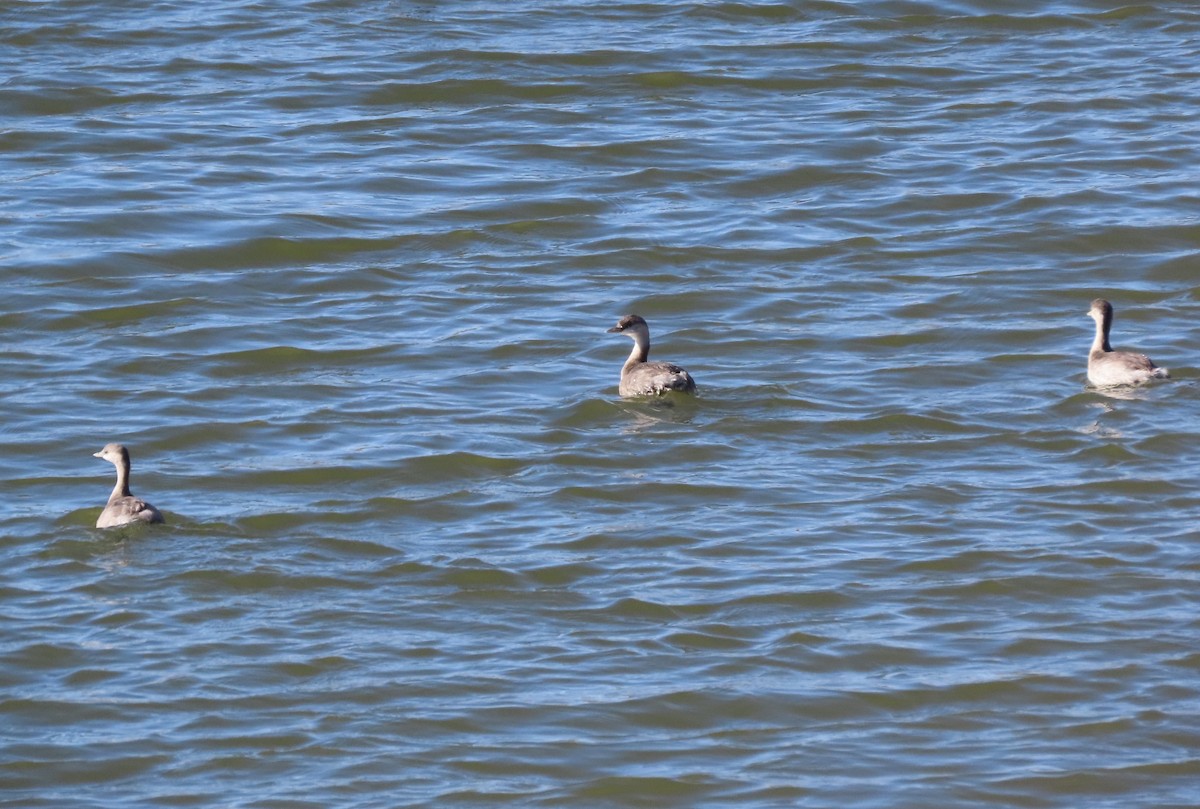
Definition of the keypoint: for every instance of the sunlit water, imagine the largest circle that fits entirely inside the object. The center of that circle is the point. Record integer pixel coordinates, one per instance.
(338, 273)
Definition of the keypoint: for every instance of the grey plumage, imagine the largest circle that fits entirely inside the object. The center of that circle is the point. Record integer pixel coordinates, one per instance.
(1108, 368)
(123, 508)
(639, 376)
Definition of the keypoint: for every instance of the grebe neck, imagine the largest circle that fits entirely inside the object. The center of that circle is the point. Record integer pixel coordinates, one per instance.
(1100, 341)
(641, 350)
(122, 487)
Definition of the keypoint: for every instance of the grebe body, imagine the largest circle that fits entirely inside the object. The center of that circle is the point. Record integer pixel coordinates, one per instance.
(1107, 368)
(639, 376)
(123, 508)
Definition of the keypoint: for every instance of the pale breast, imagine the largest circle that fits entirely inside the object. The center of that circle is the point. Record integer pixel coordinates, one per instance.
(653, 378)
(1113, 368)
(126, 510)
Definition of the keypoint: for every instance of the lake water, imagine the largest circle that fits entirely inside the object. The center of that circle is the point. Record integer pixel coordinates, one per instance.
(339, 274)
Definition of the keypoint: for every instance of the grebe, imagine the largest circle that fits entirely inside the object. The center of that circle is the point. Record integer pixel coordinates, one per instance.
(123, 508)
(1108, 368)
(642, 378)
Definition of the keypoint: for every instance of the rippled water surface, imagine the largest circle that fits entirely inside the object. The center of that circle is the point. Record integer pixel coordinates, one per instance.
(338, 273)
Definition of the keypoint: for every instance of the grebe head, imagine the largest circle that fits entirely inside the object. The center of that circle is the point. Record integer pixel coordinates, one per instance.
(1101, 311)
(114, 454)
(631, 325)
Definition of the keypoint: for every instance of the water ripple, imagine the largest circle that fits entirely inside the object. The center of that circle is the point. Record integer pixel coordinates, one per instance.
(340, 273)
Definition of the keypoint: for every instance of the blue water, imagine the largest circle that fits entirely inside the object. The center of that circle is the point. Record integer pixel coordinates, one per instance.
(339, 275)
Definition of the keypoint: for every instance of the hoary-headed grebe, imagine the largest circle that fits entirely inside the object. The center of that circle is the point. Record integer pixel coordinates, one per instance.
(640, 377)
(1108, 368)
(123, 508)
